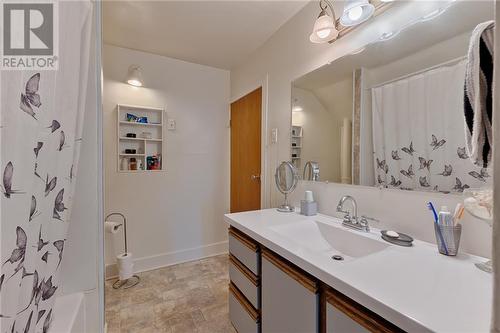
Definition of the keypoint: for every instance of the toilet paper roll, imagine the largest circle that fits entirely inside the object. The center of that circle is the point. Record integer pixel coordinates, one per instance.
(112, 227)
(125, 266)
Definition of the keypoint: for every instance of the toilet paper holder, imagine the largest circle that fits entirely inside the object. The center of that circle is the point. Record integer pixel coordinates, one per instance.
(134, 280)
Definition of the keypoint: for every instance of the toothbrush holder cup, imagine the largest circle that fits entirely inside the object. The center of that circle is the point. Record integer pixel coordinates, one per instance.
(451, 237)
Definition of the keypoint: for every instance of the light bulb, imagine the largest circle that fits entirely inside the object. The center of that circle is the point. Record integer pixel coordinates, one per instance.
(355, 13)
(323, 33)
(135, 83)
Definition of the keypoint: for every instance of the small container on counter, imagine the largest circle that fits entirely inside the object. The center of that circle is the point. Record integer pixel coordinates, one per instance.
(308, 206)
(448, 238)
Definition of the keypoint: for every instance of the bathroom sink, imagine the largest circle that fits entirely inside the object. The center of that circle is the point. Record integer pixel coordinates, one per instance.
(331, 239)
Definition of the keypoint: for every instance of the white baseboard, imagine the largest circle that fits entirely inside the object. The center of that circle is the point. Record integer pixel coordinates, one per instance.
(172, 258)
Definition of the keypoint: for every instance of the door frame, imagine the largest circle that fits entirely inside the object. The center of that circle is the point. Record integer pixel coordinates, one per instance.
(264, 142)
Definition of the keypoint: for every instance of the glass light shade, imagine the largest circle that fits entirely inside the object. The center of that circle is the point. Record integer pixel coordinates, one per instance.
(134, 77)
(356, 12)
(324, 29)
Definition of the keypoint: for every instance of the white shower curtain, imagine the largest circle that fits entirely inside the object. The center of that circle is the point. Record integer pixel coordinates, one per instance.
(40, 144)
(418, 133)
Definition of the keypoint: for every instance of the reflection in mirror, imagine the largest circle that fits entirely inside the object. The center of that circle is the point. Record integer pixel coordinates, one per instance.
(286, 178)
(392, 114)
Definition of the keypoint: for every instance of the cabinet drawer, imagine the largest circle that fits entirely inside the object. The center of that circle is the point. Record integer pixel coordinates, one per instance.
(245, 281)
(290, 298)
(243, 316)
(343, 315)
(245, 250)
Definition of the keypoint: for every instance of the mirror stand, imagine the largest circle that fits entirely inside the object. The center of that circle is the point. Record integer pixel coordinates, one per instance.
(285, 207)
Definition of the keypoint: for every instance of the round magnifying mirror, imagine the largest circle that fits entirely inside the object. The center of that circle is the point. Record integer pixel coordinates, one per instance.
(286, 177)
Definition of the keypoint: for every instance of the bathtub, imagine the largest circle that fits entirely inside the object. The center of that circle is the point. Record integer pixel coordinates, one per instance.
(69, 314)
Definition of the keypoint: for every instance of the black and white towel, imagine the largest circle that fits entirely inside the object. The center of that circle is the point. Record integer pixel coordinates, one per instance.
(478, 94)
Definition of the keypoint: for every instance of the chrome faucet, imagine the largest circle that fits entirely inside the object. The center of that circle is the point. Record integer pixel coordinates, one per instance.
(351, 218)
(311, 171)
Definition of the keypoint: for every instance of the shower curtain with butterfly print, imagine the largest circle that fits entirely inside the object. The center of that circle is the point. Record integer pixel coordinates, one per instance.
(418, 133)
(42, 115)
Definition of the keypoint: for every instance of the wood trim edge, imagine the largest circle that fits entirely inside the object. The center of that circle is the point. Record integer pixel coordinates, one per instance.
(292, 272)
(251, 244)
(244, 270)
(358, 313)
(244, 302)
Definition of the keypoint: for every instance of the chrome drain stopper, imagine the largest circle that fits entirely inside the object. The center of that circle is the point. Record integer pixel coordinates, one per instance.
(337, 257)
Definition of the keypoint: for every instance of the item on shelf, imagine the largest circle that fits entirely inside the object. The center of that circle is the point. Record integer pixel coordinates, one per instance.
(294, 144)
(294, 155)
(130, 151)
(140, 165)
(131, 135)
(133, 164)
(124, 164)
(147, 135)
(133, 118)
(153, 162)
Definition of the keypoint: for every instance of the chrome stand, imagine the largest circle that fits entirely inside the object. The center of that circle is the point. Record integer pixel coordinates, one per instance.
(285, 207)
(134, 280)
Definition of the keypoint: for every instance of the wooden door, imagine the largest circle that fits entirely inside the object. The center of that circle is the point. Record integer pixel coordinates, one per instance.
(246, 116)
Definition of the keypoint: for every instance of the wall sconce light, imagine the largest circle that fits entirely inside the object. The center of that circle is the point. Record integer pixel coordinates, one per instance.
(325, 29)
(356, 12)
(134, 77)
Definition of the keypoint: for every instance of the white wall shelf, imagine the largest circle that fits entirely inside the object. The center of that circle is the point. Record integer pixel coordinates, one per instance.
(296, 139)
(153, 146)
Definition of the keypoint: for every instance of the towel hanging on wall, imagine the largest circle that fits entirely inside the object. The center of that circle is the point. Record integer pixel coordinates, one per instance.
(478, 90)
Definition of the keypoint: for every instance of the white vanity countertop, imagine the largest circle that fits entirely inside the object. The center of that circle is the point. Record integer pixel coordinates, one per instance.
(415, 287)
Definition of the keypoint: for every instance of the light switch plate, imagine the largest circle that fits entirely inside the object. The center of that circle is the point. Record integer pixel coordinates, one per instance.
(171, 124)
(274, 135)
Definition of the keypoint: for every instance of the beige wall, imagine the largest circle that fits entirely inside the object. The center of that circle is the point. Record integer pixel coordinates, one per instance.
(322, 117)
(174, 215)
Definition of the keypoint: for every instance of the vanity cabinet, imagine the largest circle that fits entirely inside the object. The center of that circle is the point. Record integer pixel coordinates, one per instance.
(244, 286)
(290, 299)
(269, 294)
(343, 315)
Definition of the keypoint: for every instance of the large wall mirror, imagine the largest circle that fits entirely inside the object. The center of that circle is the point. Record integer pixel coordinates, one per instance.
(391, 115)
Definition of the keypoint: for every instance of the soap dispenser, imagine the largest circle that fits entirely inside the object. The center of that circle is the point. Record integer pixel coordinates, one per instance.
(308, 206)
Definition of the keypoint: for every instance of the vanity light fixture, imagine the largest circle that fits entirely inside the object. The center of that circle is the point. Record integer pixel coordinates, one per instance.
(356, 12)
(325, 29)
(134, 77)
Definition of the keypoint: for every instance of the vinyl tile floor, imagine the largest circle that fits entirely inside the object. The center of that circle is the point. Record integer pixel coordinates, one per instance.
(189, 297)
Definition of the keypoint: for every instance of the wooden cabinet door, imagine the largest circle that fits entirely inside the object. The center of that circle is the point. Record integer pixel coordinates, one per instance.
(246, 114)
(290, 302)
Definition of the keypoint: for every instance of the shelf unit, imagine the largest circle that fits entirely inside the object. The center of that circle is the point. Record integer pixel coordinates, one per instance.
(296, 145)
(144, 146)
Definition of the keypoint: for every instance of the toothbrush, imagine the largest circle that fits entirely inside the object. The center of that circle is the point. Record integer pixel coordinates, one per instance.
(436, 221)
(459, 216)
(458, 208)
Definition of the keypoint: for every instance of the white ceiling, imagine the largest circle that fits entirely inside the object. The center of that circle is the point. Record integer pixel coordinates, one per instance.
(221, 34)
